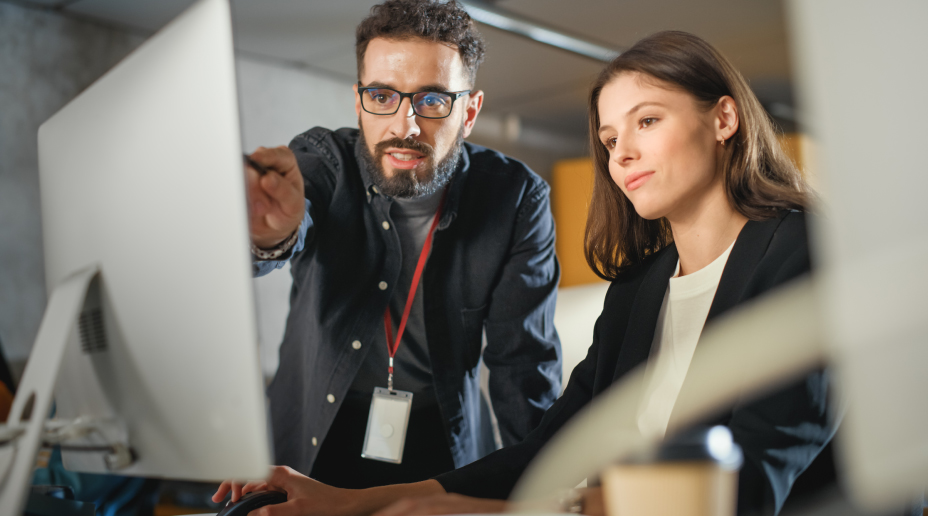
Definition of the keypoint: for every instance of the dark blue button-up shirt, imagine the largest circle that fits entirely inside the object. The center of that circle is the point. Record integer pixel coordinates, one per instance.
(492, 271)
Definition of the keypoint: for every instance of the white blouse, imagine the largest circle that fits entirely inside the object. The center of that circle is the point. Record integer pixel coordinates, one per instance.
(681, 320)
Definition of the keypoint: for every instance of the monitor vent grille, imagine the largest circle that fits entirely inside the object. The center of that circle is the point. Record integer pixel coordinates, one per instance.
(93, 334)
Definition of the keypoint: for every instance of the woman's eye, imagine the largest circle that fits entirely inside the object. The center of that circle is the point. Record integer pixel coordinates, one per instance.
(609, 143)
(646, 122)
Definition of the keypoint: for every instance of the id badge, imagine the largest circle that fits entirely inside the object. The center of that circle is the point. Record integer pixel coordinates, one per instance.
(386, 425)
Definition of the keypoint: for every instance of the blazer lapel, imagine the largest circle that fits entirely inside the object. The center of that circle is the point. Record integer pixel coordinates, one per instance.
(636, 346)
(749, 249)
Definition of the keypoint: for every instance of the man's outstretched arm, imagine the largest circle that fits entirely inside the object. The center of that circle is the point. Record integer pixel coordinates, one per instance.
(275, 199)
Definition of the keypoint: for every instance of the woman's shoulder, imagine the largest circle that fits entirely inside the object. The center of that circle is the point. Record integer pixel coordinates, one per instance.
(793, 224)
(791, 235)
(786, 254)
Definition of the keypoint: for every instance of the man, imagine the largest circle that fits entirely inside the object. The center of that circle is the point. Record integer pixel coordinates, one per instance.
(354, 211)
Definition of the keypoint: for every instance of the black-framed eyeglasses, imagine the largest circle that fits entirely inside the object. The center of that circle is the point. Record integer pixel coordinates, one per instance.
(427, 104)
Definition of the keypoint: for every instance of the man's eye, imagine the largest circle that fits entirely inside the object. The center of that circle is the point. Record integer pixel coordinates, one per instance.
(432, 101)
(380, 96)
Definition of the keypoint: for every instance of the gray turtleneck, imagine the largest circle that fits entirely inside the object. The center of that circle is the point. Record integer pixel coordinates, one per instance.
(412, 219)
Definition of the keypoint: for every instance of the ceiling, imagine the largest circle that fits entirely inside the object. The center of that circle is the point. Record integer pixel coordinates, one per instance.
(544, 87)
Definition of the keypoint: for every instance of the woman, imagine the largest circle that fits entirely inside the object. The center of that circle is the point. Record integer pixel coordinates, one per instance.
(695, 210)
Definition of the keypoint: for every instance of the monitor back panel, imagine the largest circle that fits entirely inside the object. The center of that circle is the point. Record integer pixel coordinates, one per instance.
(142, 176)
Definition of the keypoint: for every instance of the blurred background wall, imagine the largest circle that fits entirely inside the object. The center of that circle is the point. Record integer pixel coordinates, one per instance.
(45, 60)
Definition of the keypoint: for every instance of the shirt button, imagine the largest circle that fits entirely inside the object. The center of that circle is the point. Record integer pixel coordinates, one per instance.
(382, 285)
(315, 442)
(330, 398)
(356, 344)
(386, 225)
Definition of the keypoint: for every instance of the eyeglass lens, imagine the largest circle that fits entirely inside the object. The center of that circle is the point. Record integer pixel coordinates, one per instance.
(425, 103)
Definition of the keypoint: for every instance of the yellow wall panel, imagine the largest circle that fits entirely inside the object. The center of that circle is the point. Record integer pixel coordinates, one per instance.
(793, 146)
(571, 187)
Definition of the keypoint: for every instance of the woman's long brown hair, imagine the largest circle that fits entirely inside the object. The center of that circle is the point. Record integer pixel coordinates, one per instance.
(760, 180)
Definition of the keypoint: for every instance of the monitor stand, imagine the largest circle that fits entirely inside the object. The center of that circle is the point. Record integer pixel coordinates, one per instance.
(22, 435)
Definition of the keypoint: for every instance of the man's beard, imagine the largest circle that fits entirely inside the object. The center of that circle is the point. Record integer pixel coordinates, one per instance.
(405, 183)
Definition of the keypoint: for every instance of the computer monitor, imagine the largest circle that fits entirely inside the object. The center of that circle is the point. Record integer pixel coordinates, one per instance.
(146, 238)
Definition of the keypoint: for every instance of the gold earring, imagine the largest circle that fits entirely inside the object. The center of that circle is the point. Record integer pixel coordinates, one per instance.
(722, 141)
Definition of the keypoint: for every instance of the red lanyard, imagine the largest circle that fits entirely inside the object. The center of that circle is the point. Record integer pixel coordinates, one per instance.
(393, 345)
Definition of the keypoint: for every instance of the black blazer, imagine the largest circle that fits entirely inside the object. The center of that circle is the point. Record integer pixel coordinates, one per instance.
(780, 434)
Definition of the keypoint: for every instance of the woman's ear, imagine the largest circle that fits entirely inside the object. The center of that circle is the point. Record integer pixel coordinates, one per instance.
(726, 119)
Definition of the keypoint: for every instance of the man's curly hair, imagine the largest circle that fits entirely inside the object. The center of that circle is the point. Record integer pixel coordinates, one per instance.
(438, 21)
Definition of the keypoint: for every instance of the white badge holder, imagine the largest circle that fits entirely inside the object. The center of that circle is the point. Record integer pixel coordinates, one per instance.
(386, 425)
